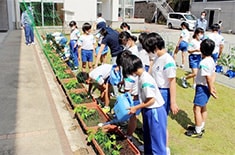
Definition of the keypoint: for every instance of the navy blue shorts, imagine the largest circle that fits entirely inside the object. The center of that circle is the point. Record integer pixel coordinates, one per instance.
(194, 60)
(202, 95)
(87, 55)
(183, 46)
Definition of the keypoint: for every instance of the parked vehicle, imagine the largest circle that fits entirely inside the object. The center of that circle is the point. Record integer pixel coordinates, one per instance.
(174, 20)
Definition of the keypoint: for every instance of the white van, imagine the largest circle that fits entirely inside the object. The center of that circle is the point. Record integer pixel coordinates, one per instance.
(175, 19)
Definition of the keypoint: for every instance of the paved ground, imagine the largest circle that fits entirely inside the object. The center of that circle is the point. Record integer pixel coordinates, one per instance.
(34, 118)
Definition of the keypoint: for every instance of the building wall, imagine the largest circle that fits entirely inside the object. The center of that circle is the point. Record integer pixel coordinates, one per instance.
(224, 11)
(79, 11)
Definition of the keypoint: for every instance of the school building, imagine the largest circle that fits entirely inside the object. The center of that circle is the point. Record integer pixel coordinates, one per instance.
(57, 12)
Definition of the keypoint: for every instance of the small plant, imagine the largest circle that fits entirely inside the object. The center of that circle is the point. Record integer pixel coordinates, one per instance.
(106, 140)
(62, 75)
(80, 98)
(72, 84)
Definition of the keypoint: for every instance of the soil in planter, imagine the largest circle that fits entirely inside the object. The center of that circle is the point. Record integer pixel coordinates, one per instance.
(93, 120)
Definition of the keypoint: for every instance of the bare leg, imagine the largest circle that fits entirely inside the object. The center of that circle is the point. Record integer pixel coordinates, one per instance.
(83, 66)
(131, 125)
(197, 115)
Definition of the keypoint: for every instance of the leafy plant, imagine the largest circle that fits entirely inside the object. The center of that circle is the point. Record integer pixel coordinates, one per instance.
(228, 60)
(80, 98)
(106, 140)
(84, 112)
(71, 84)
(62, 75)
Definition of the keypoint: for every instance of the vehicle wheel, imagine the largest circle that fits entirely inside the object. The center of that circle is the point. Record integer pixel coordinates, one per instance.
(170, 26)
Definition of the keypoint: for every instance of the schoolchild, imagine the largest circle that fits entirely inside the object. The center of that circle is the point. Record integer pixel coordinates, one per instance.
(151, 103)
(182, 44)
(74, 36)
(131, 86)
(86, 45)
(128, 42)
(204, 89)
(100, 75)
(143, 55)
(125, 27)
(194, 56)
(163, 71)
(219, 41)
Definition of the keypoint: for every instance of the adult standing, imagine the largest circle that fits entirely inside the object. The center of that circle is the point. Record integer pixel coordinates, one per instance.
(201, 22)
(27, 22)
(110, 39)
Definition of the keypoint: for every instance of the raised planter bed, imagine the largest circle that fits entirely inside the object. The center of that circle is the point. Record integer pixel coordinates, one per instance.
(90, 116)
(112, 142)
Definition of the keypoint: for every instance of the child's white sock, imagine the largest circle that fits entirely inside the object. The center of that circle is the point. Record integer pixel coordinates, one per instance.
(198, 129)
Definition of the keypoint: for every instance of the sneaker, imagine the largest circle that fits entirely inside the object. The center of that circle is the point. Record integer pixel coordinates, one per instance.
(184, 82)
(106, 109)
(182, 66)
(193, 128)
(32, 43)
(28, 44)
(193, 134)
(141, 148)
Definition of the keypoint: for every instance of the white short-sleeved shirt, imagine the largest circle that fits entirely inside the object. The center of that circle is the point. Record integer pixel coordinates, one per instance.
(206, 68)
(101, 73)
(163, 68)
(75, 34)
(149, 89)
(194, 45)
(143, 55)
(100, 19)
(185, 35)
(67, 51)
(218, 39)
(87, 42)
(134, 50)
(131, 84)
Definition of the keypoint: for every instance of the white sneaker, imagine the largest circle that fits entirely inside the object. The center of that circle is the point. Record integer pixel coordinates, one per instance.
(182, 66)
(33, 43)
(141, 148)
(184, 82)
(194, 86)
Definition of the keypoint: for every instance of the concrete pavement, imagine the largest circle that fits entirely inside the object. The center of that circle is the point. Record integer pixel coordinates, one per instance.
(34, 118)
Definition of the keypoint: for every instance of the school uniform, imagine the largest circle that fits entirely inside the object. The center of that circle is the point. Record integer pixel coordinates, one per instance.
(154, 116)
(219, 40)
(195, 57)
(164, 68)
(87, 43)
(143, 55)
(74, 36)
(202, 93)
(183, 46)
(101, 73)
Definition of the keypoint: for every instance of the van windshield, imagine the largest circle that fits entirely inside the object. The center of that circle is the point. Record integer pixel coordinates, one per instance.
(190, 17)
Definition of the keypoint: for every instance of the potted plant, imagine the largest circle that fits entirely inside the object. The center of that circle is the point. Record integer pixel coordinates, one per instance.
(111, 142)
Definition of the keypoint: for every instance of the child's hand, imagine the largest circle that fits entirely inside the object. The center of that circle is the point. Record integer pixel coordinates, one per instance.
(132, 110)
(174, 108)
(213, 93)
